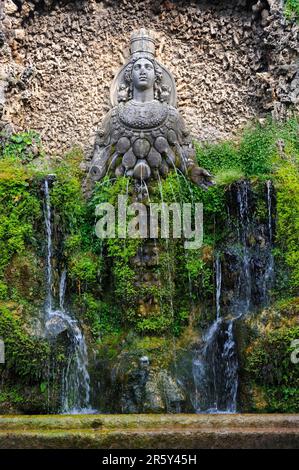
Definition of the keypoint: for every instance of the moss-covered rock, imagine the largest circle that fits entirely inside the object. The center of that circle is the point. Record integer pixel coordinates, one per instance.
(269, 377)
(137, 299)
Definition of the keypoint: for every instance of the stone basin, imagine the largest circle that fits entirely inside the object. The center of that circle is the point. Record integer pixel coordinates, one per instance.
(178, 431)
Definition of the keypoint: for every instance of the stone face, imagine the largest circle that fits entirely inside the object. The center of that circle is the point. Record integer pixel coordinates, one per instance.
(219, 57)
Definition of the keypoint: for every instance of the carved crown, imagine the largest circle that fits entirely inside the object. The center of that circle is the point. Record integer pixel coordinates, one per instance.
(142, 42)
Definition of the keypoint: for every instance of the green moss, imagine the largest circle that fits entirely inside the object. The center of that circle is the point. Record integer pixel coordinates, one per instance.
(291, 9)
(20, 210)
(103, 317)
(124, 315)
(287, 250)
(24, 146)
(272, 378)
(26, 355)
(84, 269)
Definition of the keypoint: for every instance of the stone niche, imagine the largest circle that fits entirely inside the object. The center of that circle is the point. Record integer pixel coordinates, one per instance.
(231, 60)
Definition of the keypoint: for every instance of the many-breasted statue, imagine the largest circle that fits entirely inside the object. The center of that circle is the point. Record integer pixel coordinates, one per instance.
(143, 135)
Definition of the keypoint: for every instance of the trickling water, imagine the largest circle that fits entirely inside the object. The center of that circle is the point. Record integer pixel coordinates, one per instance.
(269, 271)
(243, 207)
(215, 369)
(49, 245)
(218, 284)
(269, 206)
(62, 289)
(244, 288)
(215, 364)
(76, 382)
(229, 357)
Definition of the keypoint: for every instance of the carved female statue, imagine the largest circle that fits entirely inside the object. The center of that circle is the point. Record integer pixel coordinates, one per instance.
(143, 135)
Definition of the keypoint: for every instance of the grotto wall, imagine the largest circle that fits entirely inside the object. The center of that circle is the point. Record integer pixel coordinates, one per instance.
(231, 61)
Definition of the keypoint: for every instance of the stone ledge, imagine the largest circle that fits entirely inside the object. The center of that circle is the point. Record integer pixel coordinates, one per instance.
(150, 431)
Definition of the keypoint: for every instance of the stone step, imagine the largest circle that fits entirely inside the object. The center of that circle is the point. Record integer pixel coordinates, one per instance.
(150, 431)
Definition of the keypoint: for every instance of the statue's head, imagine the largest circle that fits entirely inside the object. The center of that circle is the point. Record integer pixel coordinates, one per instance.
(143, 73)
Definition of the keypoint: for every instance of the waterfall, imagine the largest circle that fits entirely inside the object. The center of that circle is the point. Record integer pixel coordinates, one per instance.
(214, 369)
(230, 360)
(218, 284)
(215, 362)
(269, 207)
(243, 300)
(76, 382)
(62, 289)
(49, 245)
(269, 271)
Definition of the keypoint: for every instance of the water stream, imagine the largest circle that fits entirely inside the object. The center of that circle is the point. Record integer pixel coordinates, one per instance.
(75, 397)
(215, 361)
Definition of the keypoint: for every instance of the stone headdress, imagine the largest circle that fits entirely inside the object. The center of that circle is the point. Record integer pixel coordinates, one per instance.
(143, 45)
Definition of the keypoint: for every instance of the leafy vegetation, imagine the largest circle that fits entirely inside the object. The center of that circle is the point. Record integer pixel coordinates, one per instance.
(111, 288)
(25, 355)
(269, 367)
(292, 9)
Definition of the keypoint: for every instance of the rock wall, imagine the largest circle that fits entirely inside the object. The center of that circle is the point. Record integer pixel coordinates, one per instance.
(232, 60)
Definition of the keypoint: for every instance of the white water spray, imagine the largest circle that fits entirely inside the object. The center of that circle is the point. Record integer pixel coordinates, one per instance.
(76, 382)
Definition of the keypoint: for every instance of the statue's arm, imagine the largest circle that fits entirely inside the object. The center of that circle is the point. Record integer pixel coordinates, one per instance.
(189, 165)
(102, 150)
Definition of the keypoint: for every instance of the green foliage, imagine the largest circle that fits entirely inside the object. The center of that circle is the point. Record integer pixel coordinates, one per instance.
(12, 395)
(286, 180)
(228, 176)
(66, 193)
(103, 317)
(20, 208)
(257, 149)
(25, 355)
(291, 9)
(252, 156)
(269, 365)
(200, 272)
(125, 289)
(3, 290)
(282, 399)
(154, 324)
(80, 246)
(24, 146)
(84, 268)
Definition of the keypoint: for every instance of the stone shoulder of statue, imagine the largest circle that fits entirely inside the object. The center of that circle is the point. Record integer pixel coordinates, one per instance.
(144, 136)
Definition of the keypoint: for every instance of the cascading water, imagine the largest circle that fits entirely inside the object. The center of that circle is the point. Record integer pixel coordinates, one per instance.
(218, 284)
(76, 382)
(269, 207)
(215, 363)
(269, 271)
(243, 298)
